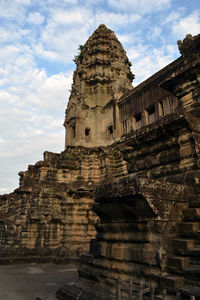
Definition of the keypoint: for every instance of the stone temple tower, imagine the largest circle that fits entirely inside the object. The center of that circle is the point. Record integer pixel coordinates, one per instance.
(101, 77)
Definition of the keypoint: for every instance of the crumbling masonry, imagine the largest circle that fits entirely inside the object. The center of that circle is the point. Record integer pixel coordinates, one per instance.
(124, 193)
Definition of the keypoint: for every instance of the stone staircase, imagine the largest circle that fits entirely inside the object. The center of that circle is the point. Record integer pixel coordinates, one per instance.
(183, 266)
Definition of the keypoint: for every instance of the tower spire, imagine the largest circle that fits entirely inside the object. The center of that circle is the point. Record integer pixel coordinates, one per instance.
(102, 75)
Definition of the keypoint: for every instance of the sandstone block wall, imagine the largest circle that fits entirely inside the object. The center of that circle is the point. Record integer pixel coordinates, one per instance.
(50, 215)
(146, 231)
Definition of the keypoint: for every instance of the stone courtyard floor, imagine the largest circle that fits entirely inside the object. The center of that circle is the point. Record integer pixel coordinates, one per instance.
(28, 281)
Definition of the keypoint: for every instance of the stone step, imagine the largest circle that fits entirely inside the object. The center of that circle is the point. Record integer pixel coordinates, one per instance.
(178, 262)
(188, 290)
(182, 244)
(191, 214)
(191, 282)
(194, 201)
(193, 273)
(167, 297)
(171, 282)
(197, 243)
(175, 271)
(192, 252)
(190, 272)
(195, 261)
(187, 228)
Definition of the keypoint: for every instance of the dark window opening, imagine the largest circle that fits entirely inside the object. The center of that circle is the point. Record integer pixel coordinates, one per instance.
(87, 131)
(161, 108)
(110, 132)
(87, 135)
(138, 117)
(151, 110)
(124, 127)
(74, 131)
(138, 121)
(110, 129)
(151, 114)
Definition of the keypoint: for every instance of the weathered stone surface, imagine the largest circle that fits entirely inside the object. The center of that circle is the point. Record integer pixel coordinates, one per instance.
(136, 197)
(141, 228)
(131, 226)
(50, 214)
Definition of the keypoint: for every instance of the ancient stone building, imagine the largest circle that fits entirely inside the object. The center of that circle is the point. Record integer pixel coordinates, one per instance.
(148, 228)
(126, 189)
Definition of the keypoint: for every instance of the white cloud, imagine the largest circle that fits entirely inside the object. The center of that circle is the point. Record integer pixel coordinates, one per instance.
(188, 24)
(47, 54)
(2, 140)
(154, 32)
(9, 52)
(147, 61)
(65, 30)
(172, 51)
(4, 191)
(174, 16)
(125, 38)
(140, 6)
(60, 3)
(137, 51)
(25, 134)
(70, 17)
(14, 9)
(32, 106)
(143, 68)
(35, 18)
(22, 2)
(51, 93)
(60, 44)
(113, 20)
(7, 35)
(11, 34)
(20, 151)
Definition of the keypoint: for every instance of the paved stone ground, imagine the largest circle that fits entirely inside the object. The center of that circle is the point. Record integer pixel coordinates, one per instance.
(28, 281)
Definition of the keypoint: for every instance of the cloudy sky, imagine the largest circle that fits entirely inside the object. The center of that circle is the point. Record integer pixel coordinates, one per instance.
(39, 39)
